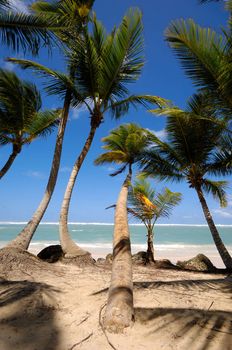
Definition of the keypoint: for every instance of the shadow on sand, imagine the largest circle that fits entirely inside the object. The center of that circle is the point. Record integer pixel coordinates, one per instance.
(192, 328)
(188, 328)
(27, 316)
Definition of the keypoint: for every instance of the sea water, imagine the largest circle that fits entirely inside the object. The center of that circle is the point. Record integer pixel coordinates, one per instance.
(170, 241)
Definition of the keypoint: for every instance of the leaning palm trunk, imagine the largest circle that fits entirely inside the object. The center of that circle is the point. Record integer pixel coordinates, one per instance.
(23, 239)
(10, 160)
(119, 311)
(226, 258)
(69, 247)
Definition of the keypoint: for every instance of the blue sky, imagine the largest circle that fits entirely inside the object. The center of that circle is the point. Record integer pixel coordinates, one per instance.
(22, 188)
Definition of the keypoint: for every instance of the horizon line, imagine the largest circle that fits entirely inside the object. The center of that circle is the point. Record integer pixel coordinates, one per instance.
(103, 223)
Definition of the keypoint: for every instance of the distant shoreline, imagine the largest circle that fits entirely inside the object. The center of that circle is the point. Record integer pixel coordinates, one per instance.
(107, 224)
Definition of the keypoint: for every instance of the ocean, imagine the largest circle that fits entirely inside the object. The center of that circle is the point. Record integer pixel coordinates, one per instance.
(170, 241)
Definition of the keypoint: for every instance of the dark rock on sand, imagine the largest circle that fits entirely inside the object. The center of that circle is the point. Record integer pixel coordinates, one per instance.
(198, 263)
(139, 258)
(51, 254)
(54, 253)
(165, 264)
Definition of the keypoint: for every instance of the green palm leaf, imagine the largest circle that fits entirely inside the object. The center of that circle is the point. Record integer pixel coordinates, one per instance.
(124, 146)
(21, 31)
(146, 204)
(217, 189)
(21, 119)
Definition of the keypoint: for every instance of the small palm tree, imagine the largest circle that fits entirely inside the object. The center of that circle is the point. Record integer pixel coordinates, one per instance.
(123, 147)
(21, 120)
(148, 206)
(197, 148)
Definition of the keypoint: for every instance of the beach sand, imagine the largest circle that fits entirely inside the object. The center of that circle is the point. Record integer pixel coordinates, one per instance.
(59, 308)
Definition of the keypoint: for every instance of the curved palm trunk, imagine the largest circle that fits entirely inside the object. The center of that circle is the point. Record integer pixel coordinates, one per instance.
(119, 311)
(9, 162)
(23, 239)
(226, 258)
(150, 247)
(69, 247)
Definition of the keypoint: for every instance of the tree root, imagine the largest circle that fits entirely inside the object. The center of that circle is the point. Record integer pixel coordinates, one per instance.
(103, 328)
(80, 342)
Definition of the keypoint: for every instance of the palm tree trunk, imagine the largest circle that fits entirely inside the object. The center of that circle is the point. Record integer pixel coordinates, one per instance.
(150, 247)
(69, 247)
(226, 258)
(9, 162)
(119, 311)
(24, 237)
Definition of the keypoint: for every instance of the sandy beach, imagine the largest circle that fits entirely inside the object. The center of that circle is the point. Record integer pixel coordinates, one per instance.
(60, 307)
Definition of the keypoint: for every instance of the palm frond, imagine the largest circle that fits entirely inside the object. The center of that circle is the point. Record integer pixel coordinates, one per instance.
(86, 57)
(124, 146)
(166, 201)
(122, 59)
(147, 205)
(55, 82)
(217, 189)
(221, 162)
(155, 165)
(42, 124)
(120, 107)
(26, 32)
(4, 4)
(21, 120)
(120, 170)
(116, 156)
(200, 51)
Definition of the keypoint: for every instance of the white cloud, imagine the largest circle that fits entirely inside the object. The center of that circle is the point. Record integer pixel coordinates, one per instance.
(76, 112)
(9, 66)
(223, 212)
(65, 169)
(35, 174)
(161, 134)
(19, 6)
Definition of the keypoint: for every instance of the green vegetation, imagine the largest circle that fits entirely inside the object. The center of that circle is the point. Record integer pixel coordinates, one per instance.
(198, 147)
(98, 66)
(148, 206)
(21, 120)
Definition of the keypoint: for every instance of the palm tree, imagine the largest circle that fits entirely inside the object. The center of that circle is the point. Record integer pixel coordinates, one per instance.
(61, 84)
(107, 63)
(123, 146)
(148, 206)
(21, 120)
(205, 56)
(197, 148)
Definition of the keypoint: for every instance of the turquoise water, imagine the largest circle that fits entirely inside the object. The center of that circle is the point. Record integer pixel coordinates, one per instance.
(101, 234)
(174, 242)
